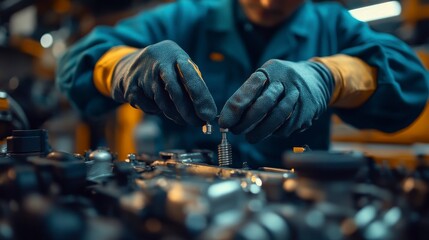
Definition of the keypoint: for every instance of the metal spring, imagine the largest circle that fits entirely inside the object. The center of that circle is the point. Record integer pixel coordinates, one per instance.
(225, 154)
(224, 150)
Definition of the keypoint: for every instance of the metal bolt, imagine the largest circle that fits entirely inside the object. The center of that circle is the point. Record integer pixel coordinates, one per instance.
(224, 149)
(207, 128)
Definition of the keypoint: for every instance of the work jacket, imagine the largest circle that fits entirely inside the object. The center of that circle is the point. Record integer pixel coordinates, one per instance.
(206, 30)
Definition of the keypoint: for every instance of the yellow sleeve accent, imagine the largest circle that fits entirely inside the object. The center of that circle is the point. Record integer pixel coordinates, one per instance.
(4, 104)
(355, 81)
(103, 70)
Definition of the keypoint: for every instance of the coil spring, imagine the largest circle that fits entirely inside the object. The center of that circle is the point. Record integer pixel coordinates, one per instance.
(224, 154)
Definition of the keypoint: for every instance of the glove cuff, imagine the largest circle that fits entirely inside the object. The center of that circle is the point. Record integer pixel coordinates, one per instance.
(355, 81)
(105, 66)
(327, 80)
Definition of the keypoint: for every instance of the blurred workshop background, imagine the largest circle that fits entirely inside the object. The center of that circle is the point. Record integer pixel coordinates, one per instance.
(35, 33)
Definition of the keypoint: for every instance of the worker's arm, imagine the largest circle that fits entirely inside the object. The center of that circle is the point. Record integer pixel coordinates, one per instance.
(400, 91)
(281, 97)
(375, 81)
(75, 71)
(160, 78)
(354, 80)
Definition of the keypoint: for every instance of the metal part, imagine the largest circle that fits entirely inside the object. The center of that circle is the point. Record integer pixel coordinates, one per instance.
(99, 164)
(131, 157)
(332, 195)
(171, 154)
(180, 155)
(191, 158)
(207, 128)
(224, 150)
(301, 149)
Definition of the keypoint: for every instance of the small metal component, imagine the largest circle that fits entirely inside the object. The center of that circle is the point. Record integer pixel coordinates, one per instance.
(207, 128)
(99, 165)
(171, 154)
(101, 155)
(298, 149)
(224, 150)
(131, 157)
(301, 149)
(245, 166)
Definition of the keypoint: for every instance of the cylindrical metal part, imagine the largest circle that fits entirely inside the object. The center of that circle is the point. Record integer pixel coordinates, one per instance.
(207, 128)
(224, 150)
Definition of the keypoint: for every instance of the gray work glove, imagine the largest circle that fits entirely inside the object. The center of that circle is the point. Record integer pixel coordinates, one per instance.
(280, 98)
(162, 78)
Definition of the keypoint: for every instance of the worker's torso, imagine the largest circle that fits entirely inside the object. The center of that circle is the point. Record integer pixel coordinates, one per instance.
(225, 65)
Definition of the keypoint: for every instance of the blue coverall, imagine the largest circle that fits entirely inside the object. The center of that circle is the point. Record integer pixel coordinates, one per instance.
(208, 26)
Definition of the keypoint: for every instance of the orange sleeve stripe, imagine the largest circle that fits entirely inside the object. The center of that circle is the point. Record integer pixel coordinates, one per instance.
(355, 80)
(105, 66)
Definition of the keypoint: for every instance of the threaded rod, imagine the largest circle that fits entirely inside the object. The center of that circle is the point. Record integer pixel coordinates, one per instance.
(224, 150)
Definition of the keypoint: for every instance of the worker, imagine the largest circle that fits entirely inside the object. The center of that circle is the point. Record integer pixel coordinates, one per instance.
(271, 71)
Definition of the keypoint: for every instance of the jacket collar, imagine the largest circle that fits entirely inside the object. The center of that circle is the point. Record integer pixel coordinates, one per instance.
(221, 22)
(220, 15)
(221, 18)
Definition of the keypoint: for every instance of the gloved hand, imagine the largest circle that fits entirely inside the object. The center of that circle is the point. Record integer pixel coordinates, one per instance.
(162, 78)
(280, 98)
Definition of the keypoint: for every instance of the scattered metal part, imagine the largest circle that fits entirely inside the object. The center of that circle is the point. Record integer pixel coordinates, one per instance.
(171, 154)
